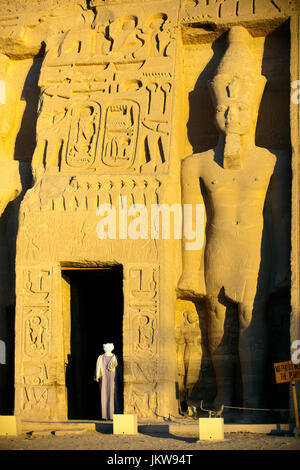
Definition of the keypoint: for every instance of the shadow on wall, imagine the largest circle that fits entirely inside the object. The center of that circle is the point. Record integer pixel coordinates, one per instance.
(8, 237)
(24, 148)
(26, 138)
(201, 130)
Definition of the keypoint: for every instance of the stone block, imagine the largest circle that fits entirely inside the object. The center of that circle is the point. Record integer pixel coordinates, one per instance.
(10, 425)
(211, 429)
(125, 424)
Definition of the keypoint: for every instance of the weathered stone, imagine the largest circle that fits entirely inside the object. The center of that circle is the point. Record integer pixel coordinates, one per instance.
(106, 99)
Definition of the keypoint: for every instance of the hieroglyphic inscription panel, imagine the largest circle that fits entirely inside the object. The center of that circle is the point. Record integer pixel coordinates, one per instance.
(35, 342)
(107, 91)
(141, 334)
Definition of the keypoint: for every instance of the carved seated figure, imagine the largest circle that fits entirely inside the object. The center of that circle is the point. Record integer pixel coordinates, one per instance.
(243, 187)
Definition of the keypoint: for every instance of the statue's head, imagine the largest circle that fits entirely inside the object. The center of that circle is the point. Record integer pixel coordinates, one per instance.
(108, 347)
(238, 86)
(129, 23)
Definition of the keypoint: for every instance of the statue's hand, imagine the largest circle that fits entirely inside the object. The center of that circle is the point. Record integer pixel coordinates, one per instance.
(192, 284)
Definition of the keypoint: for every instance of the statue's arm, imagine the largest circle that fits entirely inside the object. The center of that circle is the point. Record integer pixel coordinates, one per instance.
(279, 196)
(192, 277)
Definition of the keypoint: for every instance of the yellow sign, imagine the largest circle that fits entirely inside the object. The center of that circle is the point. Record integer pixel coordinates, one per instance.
(286, 371)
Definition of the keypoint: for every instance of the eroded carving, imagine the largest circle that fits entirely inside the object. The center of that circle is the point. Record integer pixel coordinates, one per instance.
(143, 403)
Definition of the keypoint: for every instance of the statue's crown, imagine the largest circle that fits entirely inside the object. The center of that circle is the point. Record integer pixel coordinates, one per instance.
(238, 75)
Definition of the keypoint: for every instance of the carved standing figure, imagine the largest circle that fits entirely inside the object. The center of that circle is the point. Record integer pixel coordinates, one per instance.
(244, 188)
(189, 356)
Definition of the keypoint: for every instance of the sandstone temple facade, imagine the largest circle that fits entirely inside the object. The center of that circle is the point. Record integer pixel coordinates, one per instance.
(108, 102)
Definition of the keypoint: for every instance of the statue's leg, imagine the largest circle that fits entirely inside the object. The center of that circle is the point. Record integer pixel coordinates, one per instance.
(253, 349)
(194, 365)
(194, 354)
(222, 359)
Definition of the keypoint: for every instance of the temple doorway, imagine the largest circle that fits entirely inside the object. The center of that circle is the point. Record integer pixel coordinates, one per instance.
(93, 312)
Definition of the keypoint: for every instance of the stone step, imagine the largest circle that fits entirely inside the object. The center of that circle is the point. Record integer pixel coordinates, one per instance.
(193, 429)
(185, 429)
(66, 432)
(51, 426)
(40, 433)
(57, 432)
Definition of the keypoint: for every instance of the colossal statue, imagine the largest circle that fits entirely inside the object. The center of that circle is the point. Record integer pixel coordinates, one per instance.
(245, 192)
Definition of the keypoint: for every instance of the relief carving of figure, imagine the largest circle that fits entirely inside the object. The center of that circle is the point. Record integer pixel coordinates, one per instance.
(145, 333)
(245, 190)
(159, 35)
(125, 37)
(36, 334)
(189, 355)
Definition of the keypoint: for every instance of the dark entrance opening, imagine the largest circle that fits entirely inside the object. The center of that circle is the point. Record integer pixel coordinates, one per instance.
(96, 297)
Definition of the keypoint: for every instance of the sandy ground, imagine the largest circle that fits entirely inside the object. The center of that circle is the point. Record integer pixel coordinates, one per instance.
(155, 442)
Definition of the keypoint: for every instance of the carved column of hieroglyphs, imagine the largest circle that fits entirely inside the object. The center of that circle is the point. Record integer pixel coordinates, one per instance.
(106, 95)
(141, 334)
(35, 342)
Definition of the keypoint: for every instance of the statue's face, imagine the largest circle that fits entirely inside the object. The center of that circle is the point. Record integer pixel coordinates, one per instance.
(129, 25)
(234, 117)
(236, 99)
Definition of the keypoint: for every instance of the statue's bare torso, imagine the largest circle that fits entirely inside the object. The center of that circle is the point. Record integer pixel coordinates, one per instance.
(234, 209)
